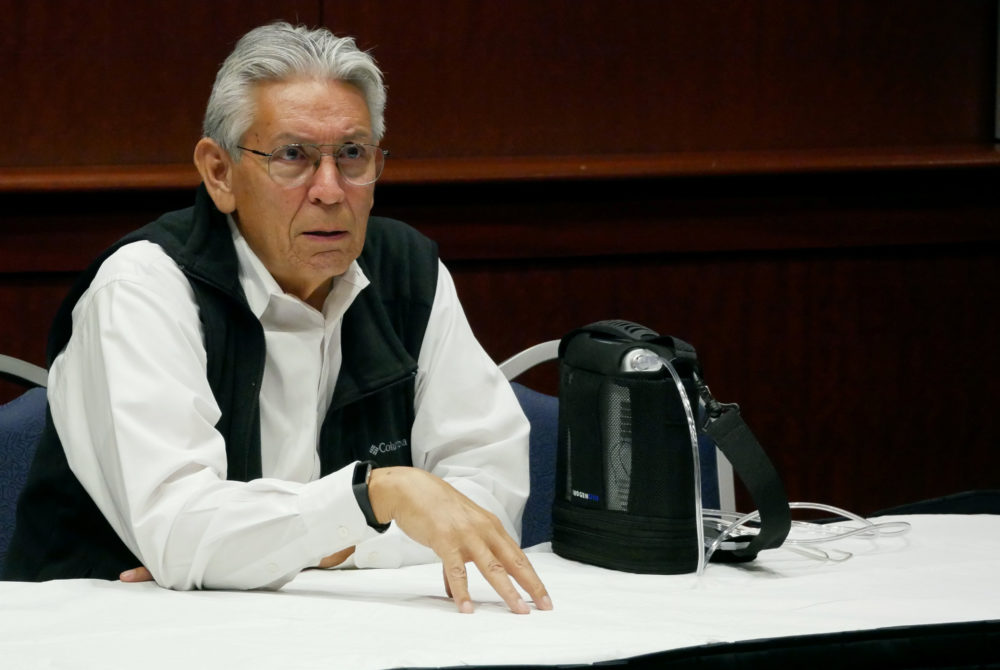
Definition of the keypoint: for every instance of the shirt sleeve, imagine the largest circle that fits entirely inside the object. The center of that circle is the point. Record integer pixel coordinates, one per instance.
(131, 403)
(469, 429)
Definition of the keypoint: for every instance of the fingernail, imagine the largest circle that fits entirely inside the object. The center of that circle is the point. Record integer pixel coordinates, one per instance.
(127, 575)
(546, 603)
(465, 607)
(522, 607)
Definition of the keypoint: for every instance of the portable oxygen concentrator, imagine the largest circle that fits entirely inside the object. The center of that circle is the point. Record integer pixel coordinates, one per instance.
(631, 406)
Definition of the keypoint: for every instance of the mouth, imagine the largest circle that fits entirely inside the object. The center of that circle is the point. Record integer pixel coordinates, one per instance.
(325, 234)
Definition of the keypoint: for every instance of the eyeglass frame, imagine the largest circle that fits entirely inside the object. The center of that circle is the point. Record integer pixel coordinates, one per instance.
(331, 154)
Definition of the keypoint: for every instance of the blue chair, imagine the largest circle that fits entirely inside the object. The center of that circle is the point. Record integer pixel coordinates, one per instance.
(542, 410)
(21, 423)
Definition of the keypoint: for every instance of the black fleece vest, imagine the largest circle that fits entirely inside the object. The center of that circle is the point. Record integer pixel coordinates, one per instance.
(61, 534)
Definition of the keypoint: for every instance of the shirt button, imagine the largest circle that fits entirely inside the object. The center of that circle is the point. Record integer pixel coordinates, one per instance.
(271, 567)
(372, 557)
(343, 532)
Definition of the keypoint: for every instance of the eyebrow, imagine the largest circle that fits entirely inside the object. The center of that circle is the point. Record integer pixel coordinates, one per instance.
(359, 137)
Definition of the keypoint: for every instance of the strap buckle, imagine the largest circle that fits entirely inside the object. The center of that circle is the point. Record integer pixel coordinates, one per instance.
(713, 407)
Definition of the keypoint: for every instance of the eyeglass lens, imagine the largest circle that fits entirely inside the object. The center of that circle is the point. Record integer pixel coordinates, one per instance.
(359, 164)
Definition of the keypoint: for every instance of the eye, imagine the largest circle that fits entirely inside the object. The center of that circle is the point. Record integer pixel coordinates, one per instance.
(292, 153)
(353, 152)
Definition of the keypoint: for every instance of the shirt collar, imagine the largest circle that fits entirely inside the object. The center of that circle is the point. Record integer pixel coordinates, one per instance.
(260, 287)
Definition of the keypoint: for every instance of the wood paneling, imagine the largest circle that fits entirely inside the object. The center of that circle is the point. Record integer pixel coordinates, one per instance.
(763, 212)
(116, 82)
(579, 77)
(484, 90)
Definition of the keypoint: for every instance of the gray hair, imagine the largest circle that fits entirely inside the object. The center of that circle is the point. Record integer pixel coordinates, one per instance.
(278, 52)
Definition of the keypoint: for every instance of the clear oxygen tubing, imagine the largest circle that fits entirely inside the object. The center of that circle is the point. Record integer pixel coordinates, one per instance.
(644, 359)
(693, 434)
(807, 546)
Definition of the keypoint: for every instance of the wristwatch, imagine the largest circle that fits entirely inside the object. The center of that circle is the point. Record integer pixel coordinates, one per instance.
(362, 474)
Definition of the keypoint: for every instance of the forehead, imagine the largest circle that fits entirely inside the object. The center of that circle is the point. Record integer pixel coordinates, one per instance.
(309, 110)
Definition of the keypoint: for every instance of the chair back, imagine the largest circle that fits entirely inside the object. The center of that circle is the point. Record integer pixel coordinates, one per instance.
(21, 424)
(542, 411)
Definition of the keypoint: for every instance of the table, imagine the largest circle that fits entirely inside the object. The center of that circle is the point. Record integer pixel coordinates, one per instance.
(945, 570)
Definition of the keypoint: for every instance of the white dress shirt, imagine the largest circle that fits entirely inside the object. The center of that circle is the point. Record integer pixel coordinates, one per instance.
(131, 402)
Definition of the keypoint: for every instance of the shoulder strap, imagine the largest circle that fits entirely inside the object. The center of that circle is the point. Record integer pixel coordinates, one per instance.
(731, 434)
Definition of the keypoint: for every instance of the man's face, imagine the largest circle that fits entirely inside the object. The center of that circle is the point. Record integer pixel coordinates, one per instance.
(308, 234)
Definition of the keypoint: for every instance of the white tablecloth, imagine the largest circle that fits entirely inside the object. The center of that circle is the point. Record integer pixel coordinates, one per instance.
(944, 570)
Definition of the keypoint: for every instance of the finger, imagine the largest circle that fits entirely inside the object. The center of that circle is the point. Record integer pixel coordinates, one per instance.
(140, 574)
(496, 574)
(457, 584)
(520, 568)
(447, 586)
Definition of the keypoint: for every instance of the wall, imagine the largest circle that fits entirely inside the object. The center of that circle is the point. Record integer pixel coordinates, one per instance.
(804, 191)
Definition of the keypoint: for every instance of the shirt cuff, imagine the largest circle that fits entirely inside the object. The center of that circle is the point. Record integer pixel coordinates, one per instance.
(392, 549)
(331, 514)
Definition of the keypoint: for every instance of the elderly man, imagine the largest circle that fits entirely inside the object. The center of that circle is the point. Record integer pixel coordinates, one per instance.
(272, 380)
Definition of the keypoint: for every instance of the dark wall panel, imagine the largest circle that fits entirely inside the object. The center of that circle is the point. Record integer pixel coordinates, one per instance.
(599, 77)
(116, 82)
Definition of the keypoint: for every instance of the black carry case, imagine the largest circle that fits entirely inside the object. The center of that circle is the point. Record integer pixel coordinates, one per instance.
(627, 480)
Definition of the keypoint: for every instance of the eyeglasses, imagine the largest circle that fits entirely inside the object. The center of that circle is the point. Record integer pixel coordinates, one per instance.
(292, 165)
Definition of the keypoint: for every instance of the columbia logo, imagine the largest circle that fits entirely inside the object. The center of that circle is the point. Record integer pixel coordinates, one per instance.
(388, 447)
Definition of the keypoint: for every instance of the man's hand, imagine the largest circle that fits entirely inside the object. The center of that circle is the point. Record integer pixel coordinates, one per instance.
(434, 513)
(140, 574)
(336, 559)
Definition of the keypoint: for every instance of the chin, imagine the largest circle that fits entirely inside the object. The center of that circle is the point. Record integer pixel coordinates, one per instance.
(330, 271)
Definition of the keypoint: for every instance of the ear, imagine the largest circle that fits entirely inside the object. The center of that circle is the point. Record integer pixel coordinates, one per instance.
(216, 168)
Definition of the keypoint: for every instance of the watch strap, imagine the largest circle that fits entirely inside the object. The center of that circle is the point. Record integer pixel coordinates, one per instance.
(362, 473)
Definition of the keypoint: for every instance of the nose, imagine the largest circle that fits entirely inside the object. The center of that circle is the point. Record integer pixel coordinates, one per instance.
(325, 187)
